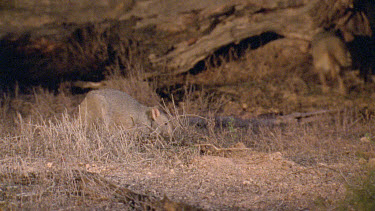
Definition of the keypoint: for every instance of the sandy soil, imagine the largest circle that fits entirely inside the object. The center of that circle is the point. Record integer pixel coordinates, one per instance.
(241, 181)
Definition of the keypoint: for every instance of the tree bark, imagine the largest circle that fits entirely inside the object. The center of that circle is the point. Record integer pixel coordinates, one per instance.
(84, 39)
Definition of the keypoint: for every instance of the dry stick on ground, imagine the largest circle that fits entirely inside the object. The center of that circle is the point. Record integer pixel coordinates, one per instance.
(228, 121)
(213, 150)
(305, 117)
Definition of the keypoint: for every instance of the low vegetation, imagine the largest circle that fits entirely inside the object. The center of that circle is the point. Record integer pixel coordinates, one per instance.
(48, 160)
(361, 191)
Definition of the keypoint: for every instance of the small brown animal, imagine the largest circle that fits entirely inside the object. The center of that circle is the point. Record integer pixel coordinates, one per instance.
(330, 58)
(115, 107)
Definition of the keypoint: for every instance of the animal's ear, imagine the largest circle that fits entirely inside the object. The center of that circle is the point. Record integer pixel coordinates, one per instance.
(155, 113)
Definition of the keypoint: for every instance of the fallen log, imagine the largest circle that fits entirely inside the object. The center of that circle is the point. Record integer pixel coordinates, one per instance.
(276, 120)
(169, 38)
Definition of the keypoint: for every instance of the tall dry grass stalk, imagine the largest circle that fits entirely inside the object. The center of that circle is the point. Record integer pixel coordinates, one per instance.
(45, 152)
(49, 160)
(133, 81)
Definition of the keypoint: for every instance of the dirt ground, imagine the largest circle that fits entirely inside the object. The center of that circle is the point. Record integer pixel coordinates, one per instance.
(252, 180)
(304, 167)
(247, 181)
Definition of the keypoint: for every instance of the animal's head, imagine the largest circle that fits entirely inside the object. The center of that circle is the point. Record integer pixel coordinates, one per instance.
(160, 122)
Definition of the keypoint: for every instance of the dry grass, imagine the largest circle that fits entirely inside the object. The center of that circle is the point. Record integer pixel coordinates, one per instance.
(48, 160)
(44, 153)
(134, 84)
(361, 192)
(278, 78)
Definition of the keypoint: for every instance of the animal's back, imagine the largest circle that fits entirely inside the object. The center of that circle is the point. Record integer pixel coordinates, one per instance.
(113, 106)
(330, 52)
(330, 57)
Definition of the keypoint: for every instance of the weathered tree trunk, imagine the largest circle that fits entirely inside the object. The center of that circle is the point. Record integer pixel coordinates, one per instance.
(50, 41)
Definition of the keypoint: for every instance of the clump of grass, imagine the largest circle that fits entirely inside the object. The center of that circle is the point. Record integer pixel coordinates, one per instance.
(361, 191)
(45, 152)
(134, 84)
(42, 164)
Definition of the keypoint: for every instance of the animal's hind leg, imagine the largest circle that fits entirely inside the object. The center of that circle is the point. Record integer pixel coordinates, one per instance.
(341, 85)
(322, 78)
